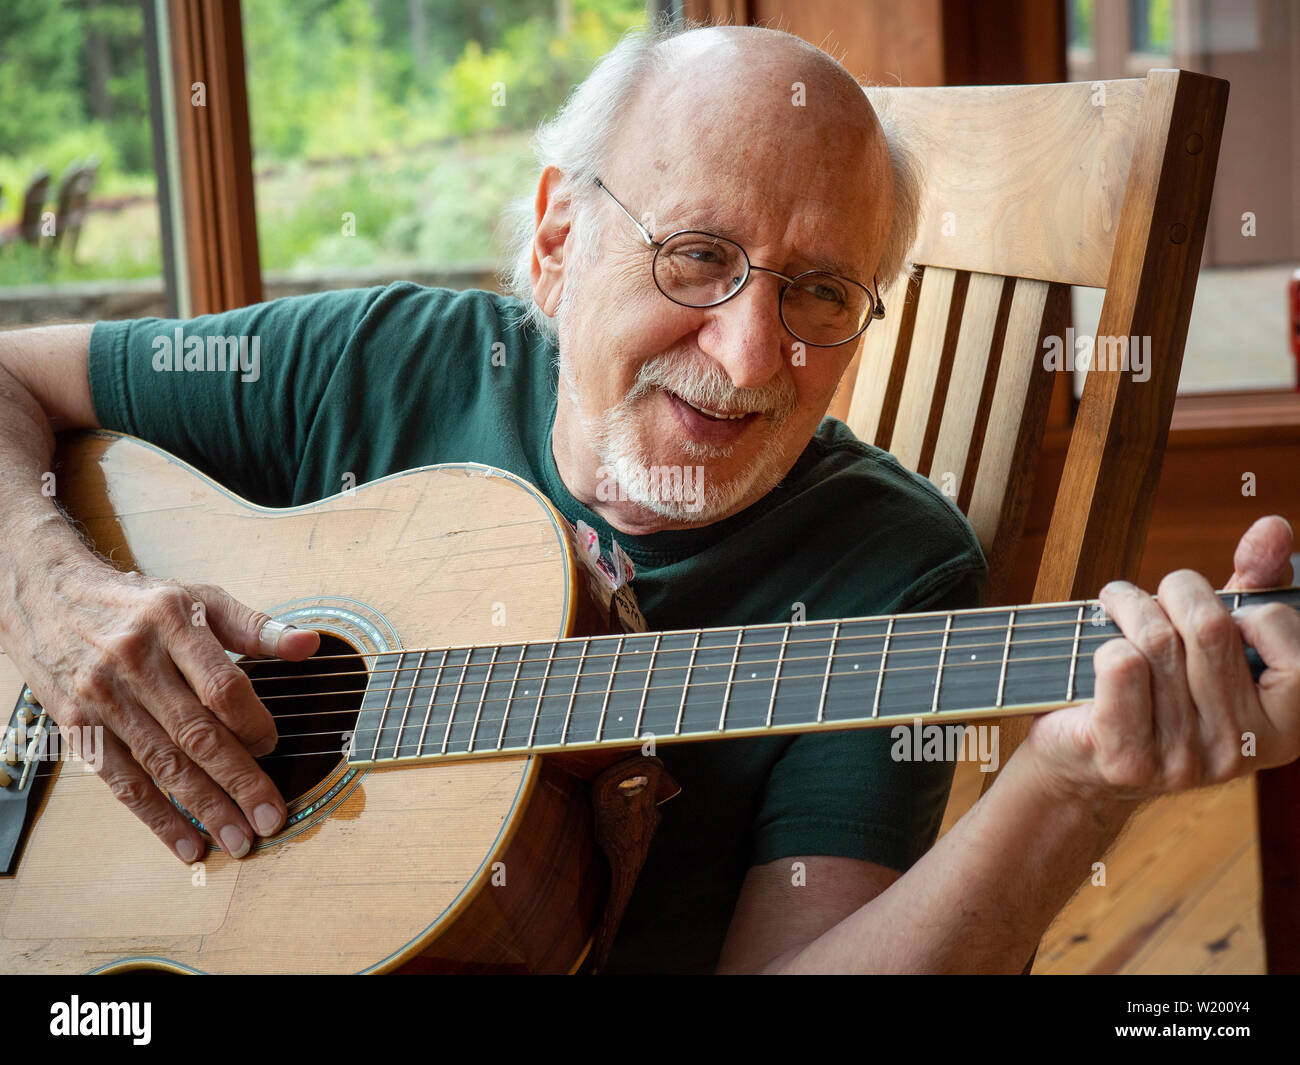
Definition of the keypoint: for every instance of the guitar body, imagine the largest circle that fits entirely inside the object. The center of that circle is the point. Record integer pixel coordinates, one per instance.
(481, 866)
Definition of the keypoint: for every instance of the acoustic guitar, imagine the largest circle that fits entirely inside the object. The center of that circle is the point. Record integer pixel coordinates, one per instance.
(437, 752)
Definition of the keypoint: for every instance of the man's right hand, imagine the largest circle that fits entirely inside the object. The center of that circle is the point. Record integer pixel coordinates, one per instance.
(145, 659)
(120, 650)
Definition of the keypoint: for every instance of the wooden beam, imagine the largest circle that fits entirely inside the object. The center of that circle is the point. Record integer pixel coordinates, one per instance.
(1122, 425)
(216, 158)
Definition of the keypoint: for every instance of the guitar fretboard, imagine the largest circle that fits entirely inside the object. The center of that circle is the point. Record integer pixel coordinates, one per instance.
(538, 697)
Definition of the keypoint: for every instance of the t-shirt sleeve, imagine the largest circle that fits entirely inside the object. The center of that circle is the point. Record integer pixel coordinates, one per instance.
(842, 793)
(234, 394)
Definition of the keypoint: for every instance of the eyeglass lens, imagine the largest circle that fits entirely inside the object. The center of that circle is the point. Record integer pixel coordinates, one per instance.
(701, 270)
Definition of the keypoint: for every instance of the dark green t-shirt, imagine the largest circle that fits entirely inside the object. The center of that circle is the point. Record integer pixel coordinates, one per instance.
(371, 382)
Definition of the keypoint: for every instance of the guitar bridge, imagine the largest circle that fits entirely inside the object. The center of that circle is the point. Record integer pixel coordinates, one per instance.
(21, 782)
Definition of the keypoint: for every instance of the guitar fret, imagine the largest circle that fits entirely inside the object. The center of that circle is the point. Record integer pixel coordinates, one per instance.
(487, 679)
(645, 691)
(943, 655)
(1074, 654)
(776, 677)
(577, 673)
(830, 660)
(510, 698)
(455, 700)
(686, 685)
(609, 690)
(731, 676)
(433, 694)
(388, 699)
(541, 692)
(1006, 654)
(410, 698)
(880, 676)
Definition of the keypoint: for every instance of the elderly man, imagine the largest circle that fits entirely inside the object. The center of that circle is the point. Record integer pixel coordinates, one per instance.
(701, 258)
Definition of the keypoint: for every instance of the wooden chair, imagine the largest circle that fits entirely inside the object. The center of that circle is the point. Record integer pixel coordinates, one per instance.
(28, 228)
(1029, 190)
(71, 202)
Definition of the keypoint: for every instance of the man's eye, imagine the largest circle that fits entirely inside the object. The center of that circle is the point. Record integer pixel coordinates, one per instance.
(701, 254)
(827, 292)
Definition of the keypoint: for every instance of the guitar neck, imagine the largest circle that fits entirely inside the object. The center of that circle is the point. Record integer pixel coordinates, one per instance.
(509, 700)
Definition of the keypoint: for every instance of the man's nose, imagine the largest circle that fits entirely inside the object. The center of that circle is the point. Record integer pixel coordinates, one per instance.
(746, 334)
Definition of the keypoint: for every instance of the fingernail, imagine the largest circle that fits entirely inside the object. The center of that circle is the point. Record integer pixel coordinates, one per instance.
(1285, 522)
(187, 849)
(262, 747)
(234, 841)
(267, 819)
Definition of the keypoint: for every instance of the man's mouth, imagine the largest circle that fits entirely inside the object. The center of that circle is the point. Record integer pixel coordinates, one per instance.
(719, 428)
(716, 415)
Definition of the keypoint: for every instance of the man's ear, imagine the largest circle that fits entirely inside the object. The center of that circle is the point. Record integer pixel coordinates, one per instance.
(554, 216)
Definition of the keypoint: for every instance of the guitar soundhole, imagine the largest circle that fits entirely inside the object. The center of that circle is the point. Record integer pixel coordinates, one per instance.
(315, 705)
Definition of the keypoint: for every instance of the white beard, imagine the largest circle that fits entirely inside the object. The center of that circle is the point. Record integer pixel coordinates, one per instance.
(688, 495)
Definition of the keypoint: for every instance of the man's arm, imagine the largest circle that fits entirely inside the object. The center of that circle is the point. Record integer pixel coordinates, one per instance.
(105, 648)
(978, 901)
(1171, 704)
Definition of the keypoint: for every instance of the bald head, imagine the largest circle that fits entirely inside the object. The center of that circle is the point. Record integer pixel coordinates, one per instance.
(732, 121)
(727, 120)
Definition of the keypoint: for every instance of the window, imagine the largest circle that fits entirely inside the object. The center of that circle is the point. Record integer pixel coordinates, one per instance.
(388, 135)
(1150, 24)
(79, 214)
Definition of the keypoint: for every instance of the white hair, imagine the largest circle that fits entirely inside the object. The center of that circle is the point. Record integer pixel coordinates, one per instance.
(575, 142)
(577, 139)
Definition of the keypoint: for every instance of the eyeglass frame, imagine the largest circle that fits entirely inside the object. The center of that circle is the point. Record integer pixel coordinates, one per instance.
(877, 305)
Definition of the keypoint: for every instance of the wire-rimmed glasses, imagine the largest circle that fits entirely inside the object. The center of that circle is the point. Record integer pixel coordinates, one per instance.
(698, 269)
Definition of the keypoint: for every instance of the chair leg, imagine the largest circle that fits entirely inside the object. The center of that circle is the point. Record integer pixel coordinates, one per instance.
(1277, 798)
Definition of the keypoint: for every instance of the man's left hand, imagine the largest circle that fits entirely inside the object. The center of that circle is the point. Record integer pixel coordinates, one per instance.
(1174, 703)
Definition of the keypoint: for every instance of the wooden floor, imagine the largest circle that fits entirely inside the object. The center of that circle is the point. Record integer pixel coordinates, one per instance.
(1182, 889)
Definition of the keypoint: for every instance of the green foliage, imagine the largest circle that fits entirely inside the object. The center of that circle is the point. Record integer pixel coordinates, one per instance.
(380, 107)
(39, 93)
(347, 79)
(52, 108)
(437, 205)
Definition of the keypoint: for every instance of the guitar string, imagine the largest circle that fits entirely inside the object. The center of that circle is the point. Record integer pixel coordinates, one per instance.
(578, 715)
(1016, 627)
(623, 650)
(840, 656)
(457, 668)
(573, 714)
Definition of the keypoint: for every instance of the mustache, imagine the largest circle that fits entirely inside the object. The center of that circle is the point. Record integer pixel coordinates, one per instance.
(708, 386)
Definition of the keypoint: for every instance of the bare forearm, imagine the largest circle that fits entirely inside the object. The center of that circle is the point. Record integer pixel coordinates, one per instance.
(34, 534)
(983, 896)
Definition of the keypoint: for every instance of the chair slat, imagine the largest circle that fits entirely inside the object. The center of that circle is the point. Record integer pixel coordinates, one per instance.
(879, 372)
(1016, 421)
(933, 341)
(965, 412)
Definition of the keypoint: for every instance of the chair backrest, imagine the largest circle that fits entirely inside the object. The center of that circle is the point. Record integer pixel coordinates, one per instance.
(1026, 191)
(34, 197)
(73, 195)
